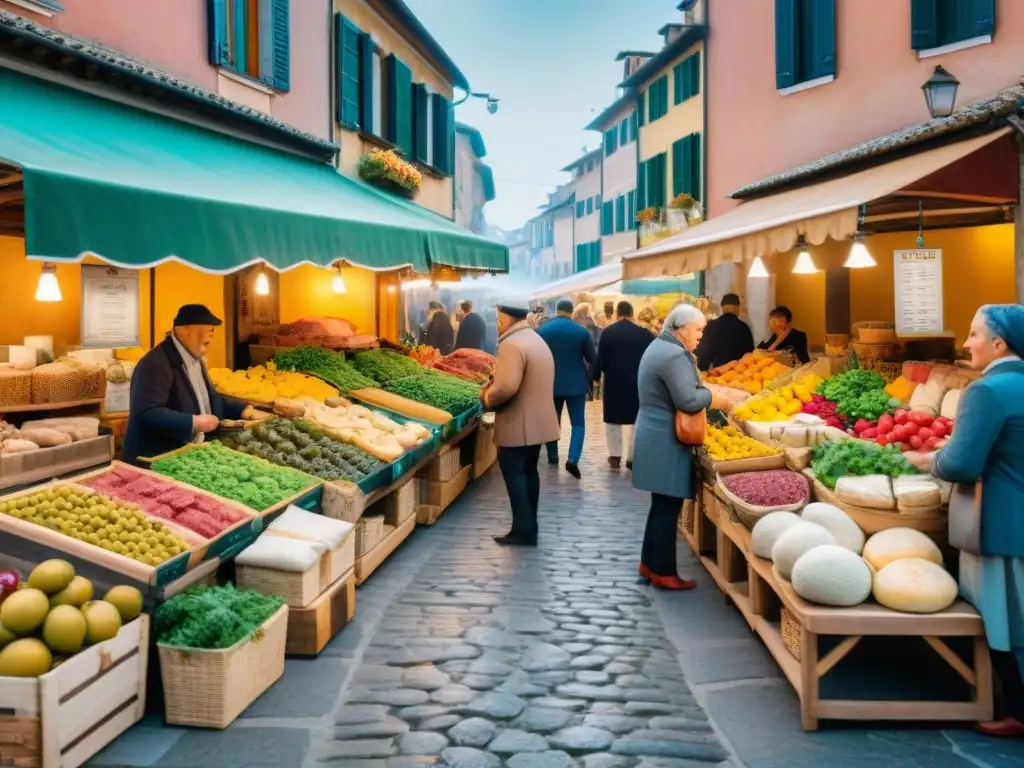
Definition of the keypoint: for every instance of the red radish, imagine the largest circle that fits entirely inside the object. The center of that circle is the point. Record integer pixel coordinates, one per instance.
(885, 424)
(921, 419)
(911, 429)
(904, 447)
(940, 429)
(916, 442)
(882, 439)
(925, 433)
(931, 443)
(869, 434)
(900, 417)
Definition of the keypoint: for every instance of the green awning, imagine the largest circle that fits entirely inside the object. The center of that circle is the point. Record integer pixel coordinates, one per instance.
(138, 189)
(657, 286)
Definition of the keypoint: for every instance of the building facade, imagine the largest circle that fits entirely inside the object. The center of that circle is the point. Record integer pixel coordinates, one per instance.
(617, 124)
(474, 179)
(393, 86)
(586, 182)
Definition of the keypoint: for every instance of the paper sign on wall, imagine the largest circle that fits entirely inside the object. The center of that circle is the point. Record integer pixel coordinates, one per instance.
(918, 276)
(110, 307)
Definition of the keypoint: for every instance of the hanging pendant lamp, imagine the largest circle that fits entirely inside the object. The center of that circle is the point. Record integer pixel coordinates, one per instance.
(757, 268)
(804, 263)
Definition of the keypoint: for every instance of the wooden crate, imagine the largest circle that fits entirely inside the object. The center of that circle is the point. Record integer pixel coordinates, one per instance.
(435, 497)
(399, 505)
(445, 465)
(485, 450)
(371, 561)
(66, 716)
(312, 627)
(210, 688)
(369, 533)
(300, 589)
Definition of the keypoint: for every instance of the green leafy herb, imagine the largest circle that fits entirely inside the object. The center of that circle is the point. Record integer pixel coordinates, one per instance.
(213, 617)
(835, 459)
(449, 393)
(329, 366)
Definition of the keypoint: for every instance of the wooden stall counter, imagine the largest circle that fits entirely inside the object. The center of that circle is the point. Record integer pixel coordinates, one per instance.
(790, 628)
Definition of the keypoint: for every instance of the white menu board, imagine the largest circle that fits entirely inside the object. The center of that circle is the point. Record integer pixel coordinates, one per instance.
(918, 276)
(110, 307)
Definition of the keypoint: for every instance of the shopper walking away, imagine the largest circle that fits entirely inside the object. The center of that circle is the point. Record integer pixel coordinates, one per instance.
(582, 316)
(726, 338)
(622, 345)
(607, 316)
(524, 418)
(785, 338)
(472, 328)
(986, 451)
(439, 329)
(172, 401)
(573, 350)
(668, 382)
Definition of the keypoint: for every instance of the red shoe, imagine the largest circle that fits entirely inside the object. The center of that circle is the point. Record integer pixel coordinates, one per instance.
(644, 571)
(1008, 727)
(672, 582)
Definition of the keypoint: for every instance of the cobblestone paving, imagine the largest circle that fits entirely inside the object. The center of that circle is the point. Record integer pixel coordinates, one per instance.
(466, 655)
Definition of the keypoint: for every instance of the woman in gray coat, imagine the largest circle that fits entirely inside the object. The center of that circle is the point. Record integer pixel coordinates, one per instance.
(668, 381)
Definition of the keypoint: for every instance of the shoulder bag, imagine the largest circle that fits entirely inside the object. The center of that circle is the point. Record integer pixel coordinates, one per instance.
(691, 428)
(965, 518)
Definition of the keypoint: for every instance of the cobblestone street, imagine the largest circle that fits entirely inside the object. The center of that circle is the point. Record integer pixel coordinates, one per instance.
(466, 654)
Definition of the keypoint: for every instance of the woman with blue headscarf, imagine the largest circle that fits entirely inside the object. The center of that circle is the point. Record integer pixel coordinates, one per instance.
(987, 447)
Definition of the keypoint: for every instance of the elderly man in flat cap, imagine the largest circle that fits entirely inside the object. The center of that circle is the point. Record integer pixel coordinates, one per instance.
(173, 402)
(522, 397)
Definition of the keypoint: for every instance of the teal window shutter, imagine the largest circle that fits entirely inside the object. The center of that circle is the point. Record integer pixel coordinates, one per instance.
(399, 127)
(641, 110)
(217, 32)
(624, 132)
(347, 37)
(275, 44)
(694, 74)
(611, 141)
(444, 135)
(590, 205)
(680, 169)
(641, 187)
(608, 218)
(366, 78)
(924, 24)
(678, 81)
(579, 257)
(240, 41)
(632, 126)
(597, 252)
(823, 38)
(984, 17)
(421, 97)
(620, 213)
(696, 170)
(579, 209)
(656, 194)
(786, 40)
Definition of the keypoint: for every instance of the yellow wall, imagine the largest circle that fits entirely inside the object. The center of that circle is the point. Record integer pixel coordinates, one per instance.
(977, 268)
(307, 291)
(21, 315)
(681, 119)
(435, 192)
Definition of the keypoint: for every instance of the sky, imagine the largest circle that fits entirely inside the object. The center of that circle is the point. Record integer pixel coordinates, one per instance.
(552, 64)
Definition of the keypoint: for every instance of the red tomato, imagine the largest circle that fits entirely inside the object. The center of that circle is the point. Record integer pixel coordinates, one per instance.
(869, 434)
(904, 447)
(940, 428)
(916, 442)
(882, 440)
(900, 417)
(885, 424)
(921, 419)
(910, 429)
(925, 433)
(931, 443)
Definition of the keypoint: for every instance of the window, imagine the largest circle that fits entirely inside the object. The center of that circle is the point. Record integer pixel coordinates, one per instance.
(400, 106)
(590, 205)
(805, 41)
(631, 210)
(608, 217)
(620, 213)
(252, 38)
(378, 76)
(632, 127)
(686, 78)
(937, 23)
(657, 94)
(611, 141)
(580, 209)
(686, 168)
(624, 132)
(651, 186)
(641, 110)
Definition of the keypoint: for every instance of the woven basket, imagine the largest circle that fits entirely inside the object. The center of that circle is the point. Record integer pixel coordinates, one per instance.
(790, 629)
(209, 689)
(748, 514)
(687, 516)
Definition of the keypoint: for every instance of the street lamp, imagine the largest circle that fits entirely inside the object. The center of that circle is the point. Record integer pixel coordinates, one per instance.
(492, 101)
(940, 92)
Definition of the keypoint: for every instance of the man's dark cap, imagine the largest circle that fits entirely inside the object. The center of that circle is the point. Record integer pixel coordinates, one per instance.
(195, 314)
(730, 300)
(564, 306)
(519, 313)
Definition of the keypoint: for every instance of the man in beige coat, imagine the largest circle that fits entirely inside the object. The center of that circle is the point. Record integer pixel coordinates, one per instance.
(522, 396)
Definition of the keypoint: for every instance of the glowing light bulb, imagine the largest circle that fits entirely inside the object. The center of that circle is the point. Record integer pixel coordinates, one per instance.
(338, 284)
(262, 285)
(48, 289)
(804, 264)
(860, 257)
(757, 268)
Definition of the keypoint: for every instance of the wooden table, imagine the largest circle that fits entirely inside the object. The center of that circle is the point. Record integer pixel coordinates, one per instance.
(755, 588)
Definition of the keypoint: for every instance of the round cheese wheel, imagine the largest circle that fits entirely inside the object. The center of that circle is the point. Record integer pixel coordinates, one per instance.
(831, 574)
(900, 544)
(795, 541)
(768, 529)
(914, 585)
(848, 534)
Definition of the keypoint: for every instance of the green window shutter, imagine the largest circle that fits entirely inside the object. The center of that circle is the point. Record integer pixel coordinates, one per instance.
(444, 134)
(656, 193)
(632, 126)
(641, 110)
(240, 43)
(579, 209)
(399, 127)
(680, 165)
(924, 24)
(620, 213)
(421, 98)
(696, 170)
(631, 210)
(347, 41)
(611, 141)
(786, 37)
(579, 257)
(607, 218)
(275, 44)
(217, 32)
(983, 17)
(641, 187)
(590, 205)
(624, 132)
(366, 78)
(695, 74)
(678, 80)
(823, 38)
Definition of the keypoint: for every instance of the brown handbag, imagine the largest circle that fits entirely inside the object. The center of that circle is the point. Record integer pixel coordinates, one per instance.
(691, 428)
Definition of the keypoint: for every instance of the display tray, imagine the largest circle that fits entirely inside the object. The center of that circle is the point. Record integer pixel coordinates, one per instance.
(732, 466)
(63, 718)
(32, 466)
(372, 560)
(752, 585)
(932, 521)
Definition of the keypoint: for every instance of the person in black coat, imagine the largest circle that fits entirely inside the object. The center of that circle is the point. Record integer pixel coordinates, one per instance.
(440, 333)
(622, 345)
(172, 400)
(726, 338)
(472, 328)
(785, 338)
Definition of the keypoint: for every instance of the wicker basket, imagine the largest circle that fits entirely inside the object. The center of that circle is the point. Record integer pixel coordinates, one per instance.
(209, 689)
(687, 516)
(790, 630)
(749, 514)
(369, 533)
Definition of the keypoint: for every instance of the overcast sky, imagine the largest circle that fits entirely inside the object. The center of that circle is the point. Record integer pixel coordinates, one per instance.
(552, 64)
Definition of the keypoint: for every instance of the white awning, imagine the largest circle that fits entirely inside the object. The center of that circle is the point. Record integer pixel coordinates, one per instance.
(761, 227)
(580, 282)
